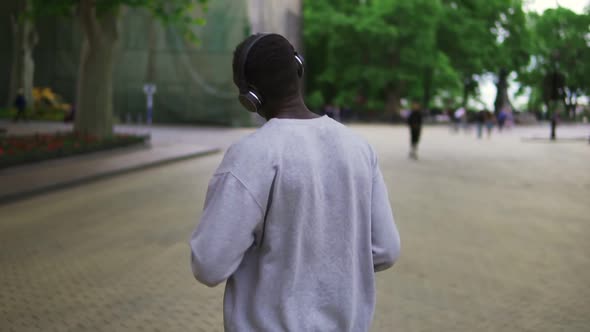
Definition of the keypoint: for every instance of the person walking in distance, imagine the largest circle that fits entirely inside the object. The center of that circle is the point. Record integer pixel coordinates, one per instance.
(490, 121)
(415, 125)
(480, 120)
(502, 116)
(20, 103)
(554, 122)
(458, 117)
(298, 243)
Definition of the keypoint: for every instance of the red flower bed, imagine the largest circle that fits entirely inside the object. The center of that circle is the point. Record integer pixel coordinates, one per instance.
(16, 150)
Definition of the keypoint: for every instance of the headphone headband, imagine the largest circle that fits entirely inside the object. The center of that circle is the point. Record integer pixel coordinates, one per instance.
(243, 58)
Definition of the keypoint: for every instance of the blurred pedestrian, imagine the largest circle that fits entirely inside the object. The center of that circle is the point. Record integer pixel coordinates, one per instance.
(20, 103)
(71, 115)
(502, 119)
(451, 118)
(554, 122)
(509, 118)
(480, 119)
(415, 125)
(458, 117)
(465, 122)
(489, 121)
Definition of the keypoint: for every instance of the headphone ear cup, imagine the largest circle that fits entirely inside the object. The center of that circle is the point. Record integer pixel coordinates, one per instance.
(251, 101)
(300, 64)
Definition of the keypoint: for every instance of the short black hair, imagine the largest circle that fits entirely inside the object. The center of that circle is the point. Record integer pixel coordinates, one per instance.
(270, 67)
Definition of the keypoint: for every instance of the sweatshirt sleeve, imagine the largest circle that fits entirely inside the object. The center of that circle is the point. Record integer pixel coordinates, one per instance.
(226, 229)
(384, 234)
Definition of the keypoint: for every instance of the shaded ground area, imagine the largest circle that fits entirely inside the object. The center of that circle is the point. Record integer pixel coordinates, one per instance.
(494, 238)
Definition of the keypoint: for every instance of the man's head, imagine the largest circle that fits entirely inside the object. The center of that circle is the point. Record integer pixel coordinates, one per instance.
(270, 69)
(415, 105)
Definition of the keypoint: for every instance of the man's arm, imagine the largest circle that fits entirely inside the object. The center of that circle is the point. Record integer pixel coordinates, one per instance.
(384, 235)
(226, 229)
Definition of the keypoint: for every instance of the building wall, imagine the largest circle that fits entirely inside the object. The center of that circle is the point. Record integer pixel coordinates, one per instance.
(278, 16)
(194, 83)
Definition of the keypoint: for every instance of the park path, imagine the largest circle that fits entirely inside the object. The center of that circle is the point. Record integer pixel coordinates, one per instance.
(494, 238)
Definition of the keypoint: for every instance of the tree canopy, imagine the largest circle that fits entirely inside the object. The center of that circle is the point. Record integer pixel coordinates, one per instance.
(353, 44)
(177, 13)
(371, 54)
(561, 46)
(99, 20)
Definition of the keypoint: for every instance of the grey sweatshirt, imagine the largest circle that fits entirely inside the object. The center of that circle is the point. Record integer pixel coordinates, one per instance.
(297, 220)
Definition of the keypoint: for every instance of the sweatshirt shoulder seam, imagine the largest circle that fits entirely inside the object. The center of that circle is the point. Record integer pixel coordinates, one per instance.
(244, 186)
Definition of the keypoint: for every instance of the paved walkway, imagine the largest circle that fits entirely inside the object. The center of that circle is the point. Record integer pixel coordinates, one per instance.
(494, 238)
(167, 144)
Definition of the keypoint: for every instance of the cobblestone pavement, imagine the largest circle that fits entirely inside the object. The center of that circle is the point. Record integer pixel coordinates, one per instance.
(494, 238)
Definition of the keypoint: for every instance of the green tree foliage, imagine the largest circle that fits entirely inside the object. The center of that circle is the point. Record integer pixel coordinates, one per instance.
(385, 50)
(465, 35)
(512, 49)
(562, 45)
(99, 20)
(177, 13)
(380, 50)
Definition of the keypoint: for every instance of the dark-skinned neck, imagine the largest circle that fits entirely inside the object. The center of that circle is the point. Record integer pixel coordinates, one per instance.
(289, 108)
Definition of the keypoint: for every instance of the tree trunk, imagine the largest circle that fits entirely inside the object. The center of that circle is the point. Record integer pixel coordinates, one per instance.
(94, 100)
(466, 87)
(23, 67)
(469, 88)
(393, 92)
(427, 88)
(150, 76)
(392, 102)
(502, 99)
